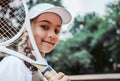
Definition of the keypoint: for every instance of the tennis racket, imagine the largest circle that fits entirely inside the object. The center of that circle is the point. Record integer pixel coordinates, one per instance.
(13, 22)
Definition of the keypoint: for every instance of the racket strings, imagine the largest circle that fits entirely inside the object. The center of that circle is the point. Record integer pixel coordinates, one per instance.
(12, 16)
(5, 31)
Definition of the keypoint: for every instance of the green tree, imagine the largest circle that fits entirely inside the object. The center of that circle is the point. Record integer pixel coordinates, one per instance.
(113, 16)
(34, 2)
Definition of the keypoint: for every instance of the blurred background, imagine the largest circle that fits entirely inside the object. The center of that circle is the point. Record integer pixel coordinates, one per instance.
(90, 44)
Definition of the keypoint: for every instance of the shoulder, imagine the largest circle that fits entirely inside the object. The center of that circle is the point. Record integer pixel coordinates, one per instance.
(10, 66)
(12, 60)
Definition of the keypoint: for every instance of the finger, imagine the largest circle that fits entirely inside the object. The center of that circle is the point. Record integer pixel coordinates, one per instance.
(60, 75)
(65, 78)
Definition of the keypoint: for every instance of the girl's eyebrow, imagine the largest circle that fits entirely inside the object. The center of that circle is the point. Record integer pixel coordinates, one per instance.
(49, 22)
(45, 21)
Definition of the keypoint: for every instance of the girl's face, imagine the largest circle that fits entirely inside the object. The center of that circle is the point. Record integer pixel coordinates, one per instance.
(46, 28)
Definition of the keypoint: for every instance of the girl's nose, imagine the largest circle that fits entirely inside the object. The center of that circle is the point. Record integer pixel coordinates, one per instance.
(52, 35)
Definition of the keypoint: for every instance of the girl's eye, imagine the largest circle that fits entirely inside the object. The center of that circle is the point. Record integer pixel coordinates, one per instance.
(57, 31)
(44, 27)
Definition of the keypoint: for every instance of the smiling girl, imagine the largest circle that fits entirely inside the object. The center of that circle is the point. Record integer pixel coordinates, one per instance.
(46, 22)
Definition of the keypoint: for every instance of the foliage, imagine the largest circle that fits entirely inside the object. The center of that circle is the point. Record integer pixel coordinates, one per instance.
(34, 2)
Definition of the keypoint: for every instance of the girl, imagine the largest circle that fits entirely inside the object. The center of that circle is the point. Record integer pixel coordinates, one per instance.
(46, 21)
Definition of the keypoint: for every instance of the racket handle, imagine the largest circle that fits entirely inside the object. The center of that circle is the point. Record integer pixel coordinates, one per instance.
(49, 73)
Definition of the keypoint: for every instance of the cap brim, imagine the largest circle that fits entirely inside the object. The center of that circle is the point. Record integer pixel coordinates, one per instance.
(64, 14)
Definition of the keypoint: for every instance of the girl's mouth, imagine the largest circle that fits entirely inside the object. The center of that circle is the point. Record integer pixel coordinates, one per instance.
(48, 42)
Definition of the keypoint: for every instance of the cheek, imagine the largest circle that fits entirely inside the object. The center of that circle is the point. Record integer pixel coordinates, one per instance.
(57, 40)
(38, 35)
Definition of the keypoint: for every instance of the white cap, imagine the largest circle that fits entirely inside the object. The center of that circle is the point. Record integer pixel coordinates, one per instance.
(46, 7)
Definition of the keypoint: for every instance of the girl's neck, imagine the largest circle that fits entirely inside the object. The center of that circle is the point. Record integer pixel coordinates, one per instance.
(42, 54)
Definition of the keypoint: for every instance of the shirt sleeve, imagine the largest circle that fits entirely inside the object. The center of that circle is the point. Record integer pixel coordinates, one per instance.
(12, 69)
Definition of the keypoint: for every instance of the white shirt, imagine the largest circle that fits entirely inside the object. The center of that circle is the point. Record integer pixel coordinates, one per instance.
(14, 69)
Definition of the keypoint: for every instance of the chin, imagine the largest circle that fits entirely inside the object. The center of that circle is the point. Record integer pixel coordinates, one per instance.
(47, 51)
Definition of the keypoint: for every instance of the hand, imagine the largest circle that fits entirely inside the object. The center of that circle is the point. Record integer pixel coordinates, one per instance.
(60, 77)
(52, 75)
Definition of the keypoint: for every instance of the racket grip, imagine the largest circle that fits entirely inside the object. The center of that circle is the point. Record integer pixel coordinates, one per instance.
(49, 73)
